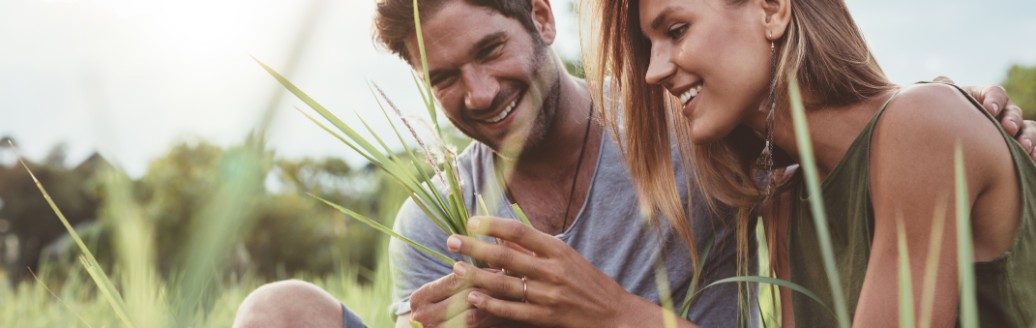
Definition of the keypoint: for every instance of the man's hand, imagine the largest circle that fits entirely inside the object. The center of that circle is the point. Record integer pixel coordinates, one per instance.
(552, 284)
(443, 303)
(994, 99)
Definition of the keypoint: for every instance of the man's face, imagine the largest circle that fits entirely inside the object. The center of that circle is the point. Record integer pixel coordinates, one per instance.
(491, 76)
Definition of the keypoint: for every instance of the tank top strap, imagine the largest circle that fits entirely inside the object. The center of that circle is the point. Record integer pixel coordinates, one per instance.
(867, 130)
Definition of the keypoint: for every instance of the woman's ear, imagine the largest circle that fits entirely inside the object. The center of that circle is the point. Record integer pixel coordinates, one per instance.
(543, 17)
(776, 17)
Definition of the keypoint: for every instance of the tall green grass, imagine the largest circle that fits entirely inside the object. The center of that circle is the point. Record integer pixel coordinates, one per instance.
(816, 200)
(196, 295)
(447, 211)
(136, 296)
(968, 316)
(72, 300)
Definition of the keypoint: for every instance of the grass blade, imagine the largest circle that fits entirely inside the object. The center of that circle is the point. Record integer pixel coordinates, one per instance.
(771, 281)
(378, 226)
(965, 252)
(816, 202)
(664, 295)
(691, 293)
(424, 69)
(104, 284)
(521, 214)
(906, 290)
(932, 265)
(417, 191)
(111, 295)
(135, 250)
(320, 109)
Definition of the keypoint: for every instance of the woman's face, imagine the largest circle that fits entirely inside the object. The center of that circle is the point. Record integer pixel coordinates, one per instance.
(713, 56)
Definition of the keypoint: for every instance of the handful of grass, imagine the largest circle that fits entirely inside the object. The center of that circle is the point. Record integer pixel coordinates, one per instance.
(446, 211)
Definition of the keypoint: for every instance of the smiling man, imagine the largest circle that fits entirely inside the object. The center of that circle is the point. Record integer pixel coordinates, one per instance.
(495, 77)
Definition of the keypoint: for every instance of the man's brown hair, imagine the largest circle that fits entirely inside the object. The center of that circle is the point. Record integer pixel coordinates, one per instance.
(394, 20)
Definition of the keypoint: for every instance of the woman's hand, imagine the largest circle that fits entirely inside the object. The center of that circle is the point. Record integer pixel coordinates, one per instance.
(548, 283)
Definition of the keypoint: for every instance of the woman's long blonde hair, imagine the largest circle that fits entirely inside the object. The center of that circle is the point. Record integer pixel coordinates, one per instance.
(822, 46)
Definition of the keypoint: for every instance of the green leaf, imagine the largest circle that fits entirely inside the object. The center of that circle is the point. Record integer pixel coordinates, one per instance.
(106, 287)
(906, 290)
(320, 109)
(773, 281)
(965, 251)
(424, 68)
(691, 292)
(521, 214)
(932, 265)
(378, 226)
(816, 201)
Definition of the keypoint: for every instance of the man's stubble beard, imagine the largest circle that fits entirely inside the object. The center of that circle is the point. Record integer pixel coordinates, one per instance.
(533, 135)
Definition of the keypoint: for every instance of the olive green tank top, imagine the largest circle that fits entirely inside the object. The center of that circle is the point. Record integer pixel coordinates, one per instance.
(1006, 286)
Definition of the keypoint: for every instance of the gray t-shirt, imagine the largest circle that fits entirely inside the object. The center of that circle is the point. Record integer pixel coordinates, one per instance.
(608, 231)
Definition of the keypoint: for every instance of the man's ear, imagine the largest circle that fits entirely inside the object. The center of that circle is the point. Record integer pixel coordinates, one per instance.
(776, 17)
(543, 17)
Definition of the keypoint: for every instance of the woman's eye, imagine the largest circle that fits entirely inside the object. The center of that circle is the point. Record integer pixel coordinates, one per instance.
(677, 30)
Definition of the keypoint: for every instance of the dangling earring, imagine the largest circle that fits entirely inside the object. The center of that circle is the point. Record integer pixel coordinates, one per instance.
(766, 157)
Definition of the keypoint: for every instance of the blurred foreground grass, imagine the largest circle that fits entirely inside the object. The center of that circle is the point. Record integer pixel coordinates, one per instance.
(74, 301)
(204, 289)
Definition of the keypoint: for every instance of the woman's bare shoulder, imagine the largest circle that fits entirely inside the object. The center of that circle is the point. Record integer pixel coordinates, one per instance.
(915, 140)
(933, 116)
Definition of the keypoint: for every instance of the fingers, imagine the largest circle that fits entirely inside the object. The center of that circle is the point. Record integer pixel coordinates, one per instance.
(471, 317)
(993, 99)
(943, 79)
(517, 233)
(514, 246)
(434, 314)
(438, 290)
(1011, 119)
(1027, 137)
(499, 285)
(516, 311)
(494, 255)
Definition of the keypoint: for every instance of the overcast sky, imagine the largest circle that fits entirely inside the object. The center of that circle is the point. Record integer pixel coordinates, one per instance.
(130, 77)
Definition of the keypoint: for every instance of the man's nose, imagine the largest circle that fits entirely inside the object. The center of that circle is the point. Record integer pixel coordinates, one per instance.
(481, 88)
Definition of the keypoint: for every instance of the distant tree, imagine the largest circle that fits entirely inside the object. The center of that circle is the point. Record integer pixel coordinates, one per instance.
(291, 233)
(1021, 86)
(288, 232)
(27, 217)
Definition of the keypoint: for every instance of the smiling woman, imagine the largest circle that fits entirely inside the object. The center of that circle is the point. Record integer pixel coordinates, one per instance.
(745, 56)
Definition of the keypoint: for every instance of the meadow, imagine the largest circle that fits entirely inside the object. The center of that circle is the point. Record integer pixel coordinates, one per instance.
(127, 275)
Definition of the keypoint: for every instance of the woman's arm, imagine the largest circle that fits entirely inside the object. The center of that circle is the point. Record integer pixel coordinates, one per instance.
(912, 179)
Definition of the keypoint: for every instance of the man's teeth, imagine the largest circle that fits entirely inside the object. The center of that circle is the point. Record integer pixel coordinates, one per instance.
(690, 94)
(503, 114)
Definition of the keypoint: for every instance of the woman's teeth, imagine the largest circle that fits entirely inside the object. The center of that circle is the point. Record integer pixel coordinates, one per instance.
(690, 94)
(503, 114)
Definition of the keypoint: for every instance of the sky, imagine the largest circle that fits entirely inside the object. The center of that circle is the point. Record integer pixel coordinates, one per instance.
(130, 78)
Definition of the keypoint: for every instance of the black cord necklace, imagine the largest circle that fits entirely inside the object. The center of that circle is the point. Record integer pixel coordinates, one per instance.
(575, 177)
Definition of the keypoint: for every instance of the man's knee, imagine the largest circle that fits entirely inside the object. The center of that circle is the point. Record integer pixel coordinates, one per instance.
(289, 303)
